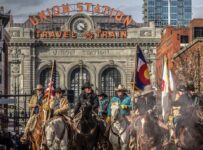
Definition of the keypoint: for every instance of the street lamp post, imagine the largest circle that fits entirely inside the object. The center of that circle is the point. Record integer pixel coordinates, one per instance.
(81, 76)
(16, 74)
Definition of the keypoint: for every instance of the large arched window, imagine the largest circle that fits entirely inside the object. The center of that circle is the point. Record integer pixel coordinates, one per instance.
(110, 79)
(78, 77)
(45, 77)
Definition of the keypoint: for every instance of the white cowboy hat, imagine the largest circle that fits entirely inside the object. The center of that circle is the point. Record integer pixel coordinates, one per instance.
(121, 88)
(137, 94)
(147, 89)
(39, 87)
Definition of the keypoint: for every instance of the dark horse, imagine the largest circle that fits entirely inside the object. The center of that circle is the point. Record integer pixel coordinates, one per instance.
(85, 129)
(191, 129)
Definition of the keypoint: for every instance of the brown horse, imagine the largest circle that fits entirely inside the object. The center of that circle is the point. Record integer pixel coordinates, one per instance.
(35, 136)
(150, 133)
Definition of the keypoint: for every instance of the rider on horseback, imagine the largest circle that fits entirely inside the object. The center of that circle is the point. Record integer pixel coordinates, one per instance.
(146, 101)
(193, 95)
(184, 104)
(103, 104)
(125, 103)
(87, 96)
(36, 102)
(59, 105)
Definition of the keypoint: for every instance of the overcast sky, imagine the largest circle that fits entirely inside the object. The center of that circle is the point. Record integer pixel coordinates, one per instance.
(20, 9)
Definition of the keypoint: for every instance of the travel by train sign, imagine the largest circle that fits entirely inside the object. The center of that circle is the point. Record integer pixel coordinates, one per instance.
(86, 35)
(66, 9)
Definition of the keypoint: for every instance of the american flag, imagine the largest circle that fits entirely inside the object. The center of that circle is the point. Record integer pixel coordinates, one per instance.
(49, 92)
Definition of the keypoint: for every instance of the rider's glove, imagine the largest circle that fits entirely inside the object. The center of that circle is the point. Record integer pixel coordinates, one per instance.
(124, 106)
(56, 112)
(108, 120)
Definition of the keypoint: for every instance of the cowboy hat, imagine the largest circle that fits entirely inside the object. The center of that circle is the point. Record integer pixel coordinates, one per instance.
(59, 90)
(137, 94)
(147, 89)
(39, 87)
(121, 88)
(87, 85)
(100, 93)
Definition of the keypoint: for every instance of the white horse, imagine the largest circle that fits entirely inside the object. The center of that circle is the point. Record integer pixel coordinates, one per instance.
(56, 134)
(119, 135)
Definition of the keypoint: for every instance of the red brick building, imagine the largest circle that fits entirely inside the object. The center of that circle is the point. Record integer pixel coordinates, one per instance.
(173, 40)
(188, 64)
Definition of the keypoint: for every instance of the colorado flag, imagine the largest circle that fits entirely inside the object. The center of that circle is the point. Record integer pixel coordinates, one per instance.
(142, 71)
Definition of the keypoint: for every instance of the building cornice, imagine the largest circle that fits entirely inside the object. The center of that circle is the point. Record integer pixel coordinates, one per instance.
(85, 43)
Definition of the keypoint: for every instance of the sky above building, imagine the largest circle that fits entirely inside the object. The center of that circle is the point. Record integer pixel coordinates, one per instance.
(21, 9)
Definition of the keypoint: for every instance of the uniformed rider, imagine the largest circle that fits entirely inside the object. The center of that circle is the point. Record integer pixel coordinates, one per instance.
(59, 105)
(35, 104)
(87, 97)
(124, 101)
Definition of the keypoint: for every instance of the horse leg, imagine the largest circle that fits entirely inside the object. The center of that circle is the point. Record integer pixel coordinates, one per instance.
(33, 146)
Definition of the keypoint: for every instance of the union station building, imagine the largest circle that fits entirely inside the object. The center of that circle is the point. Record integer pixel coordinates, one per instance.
(100, 48)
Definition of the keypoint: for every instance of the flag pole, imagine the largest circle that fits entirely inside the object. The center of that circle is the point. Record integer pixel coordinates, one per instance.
(133, 96)
(134, 76)
(52, 70)
(49, 99)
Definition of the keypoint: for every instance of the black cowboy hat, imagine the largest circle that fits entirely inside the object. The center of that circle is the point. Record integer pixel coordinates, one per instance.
(59, 90)
(100, 93)
(87, 85)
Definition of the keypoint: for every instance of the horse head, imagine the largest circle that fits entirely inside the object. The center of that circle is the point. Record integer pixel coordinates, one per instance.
(115, 111)
(55, 131)
(50, 133)
(86, 110)
(148, 130)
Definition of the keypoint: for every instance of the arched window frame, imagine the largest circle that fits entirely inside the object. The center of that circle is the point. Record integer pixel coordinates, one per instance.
(44, 79)
(110, 79)
(75, 79)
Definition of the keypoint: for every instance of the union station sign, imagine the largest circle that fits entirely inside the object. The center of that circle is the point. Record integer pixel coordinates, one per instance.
(80, 25)
(66, 9)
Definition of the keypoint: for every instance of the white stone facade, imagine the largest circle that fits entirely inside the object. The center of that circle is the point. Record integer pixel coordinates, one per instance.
(28, 57)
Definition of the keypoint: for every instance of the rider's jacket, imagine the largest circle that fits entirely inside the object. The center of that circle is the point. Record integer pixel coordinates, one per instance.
(125, 104)
(91, 98)
(33, 101)
(184, 102)
(145, 103)
(103, 106)
(59, 106)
